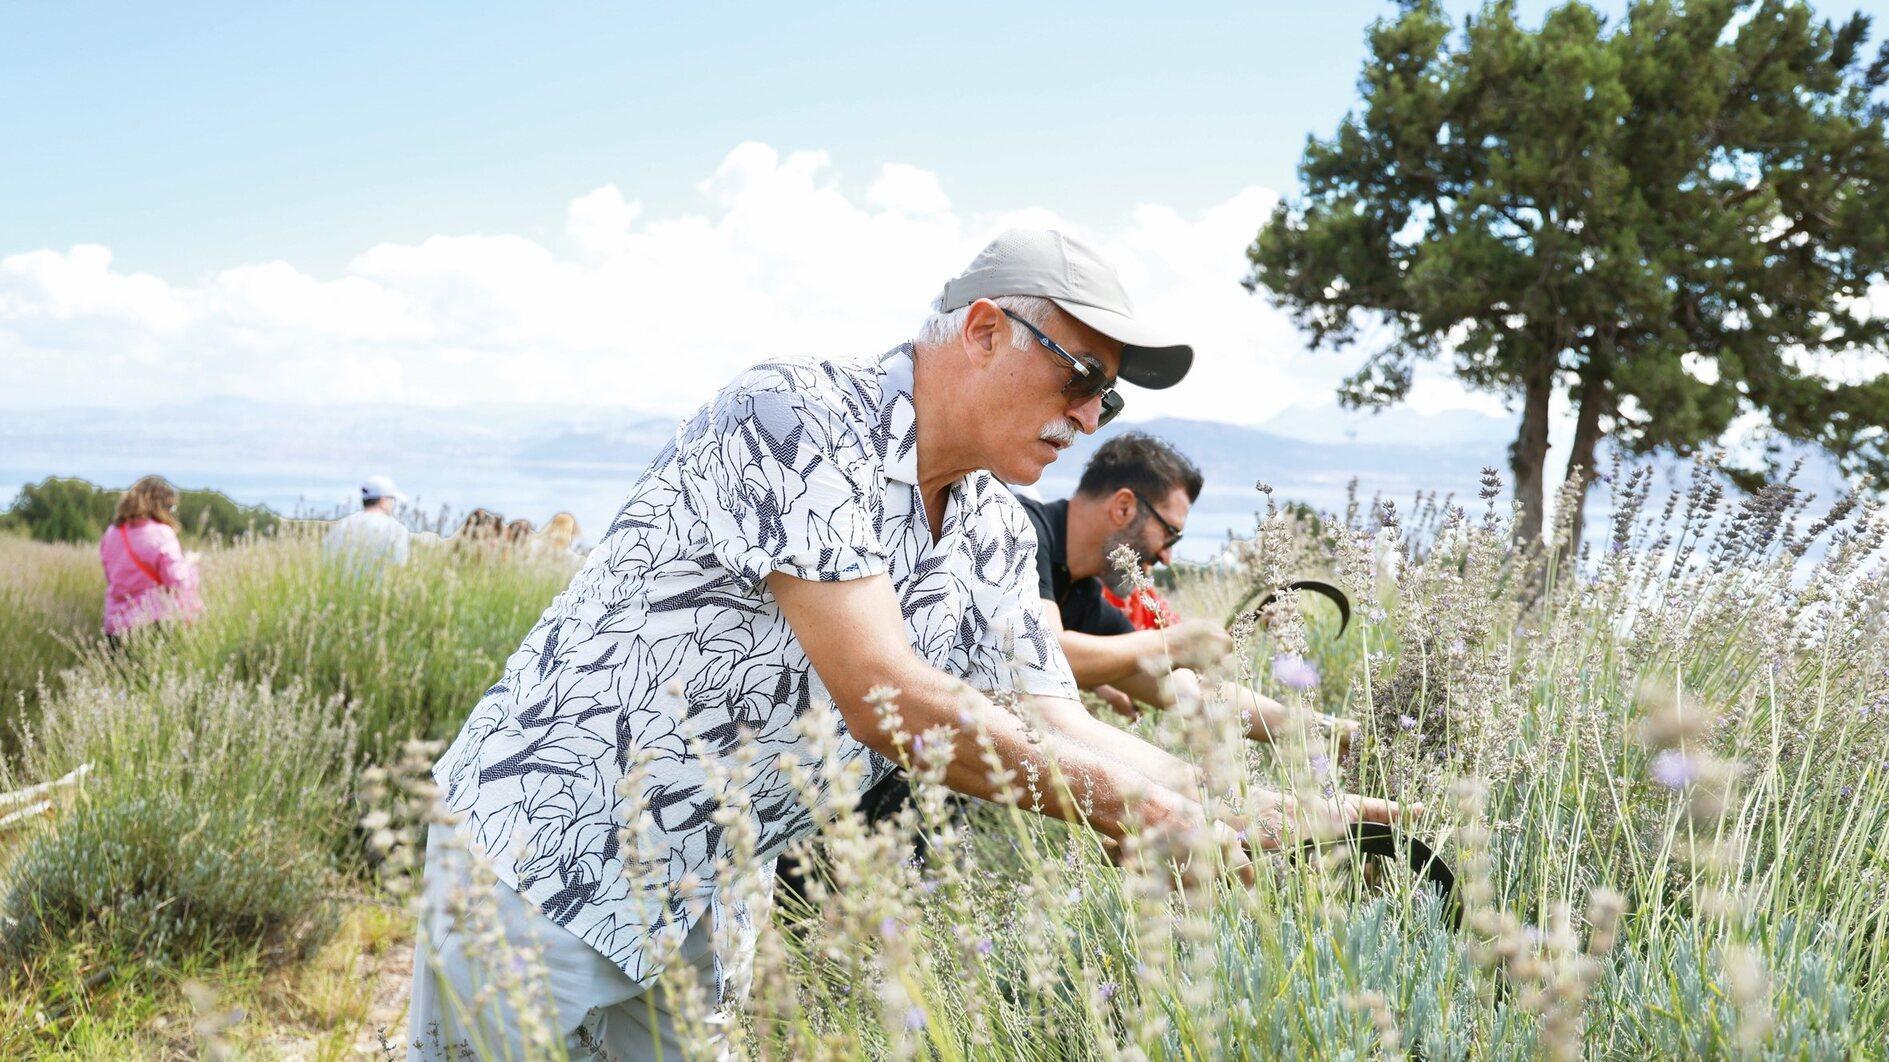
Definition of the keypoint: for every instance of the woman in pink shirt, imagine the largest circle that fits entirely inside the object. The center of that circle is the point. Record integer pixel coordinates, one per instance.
(148, 576)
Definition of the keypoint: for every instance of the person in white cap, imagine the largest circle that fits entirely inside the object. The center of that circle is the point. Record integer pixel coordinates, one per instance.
(374, 535)
(819, 531)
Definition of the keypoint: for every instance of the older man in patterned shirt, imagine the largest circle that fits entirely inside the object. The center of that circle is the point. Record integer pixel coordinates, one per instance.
(819, 529)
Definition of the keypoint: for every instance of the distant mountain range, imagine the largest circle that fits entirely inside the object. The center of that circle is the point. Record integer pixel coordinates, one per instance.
(535, 460)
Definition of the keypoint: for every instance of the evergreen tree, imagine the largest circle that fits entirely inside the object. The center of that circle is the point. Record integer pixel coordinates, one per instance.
(1676, 221)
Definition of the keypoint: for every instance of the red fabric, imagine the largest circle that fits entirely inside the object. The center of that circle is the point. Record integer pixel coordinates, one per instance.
(125, 537)
(1149, 610)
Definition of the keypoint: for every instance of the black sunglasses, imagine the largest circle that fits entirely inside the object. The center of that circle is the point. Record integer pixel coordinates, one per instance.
(1174, 533)
(1086, 378)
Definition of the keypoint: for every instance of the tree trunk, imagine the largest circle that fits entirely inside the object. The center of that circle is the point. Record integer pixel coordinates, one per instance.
(1529, 452)
(1581, 453)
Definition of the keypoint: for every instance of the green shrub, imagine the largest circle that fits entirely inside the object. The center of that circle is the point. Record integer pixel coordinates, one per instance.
(67, 509)
(148, 878)
(59, 509)
(207, 823)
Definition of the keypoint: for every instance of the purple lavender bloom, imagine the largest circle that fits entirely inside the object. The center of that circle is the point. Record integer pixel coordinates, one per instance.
(1292, 670)
(1106, 990)
(1674, 769)
(1321, 765)
(1405, 722)
(914, 1019)
(985, 946)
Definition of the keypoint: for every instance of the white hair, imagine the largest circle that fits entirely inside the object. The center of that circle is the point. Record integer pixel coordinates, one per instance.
(941, 329)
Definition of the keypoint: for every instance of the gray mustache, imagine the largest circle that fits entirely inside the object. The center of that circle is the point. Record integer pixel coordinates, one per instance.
(1062, 433)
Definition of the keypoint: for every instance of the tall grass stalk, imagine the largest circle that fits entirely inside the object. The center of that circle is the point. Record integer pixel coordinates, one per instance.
(51, 605)
(1657, 761)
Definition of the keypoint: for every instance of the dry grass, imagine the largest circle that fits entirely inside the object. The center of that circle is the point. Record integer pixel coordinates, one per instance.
(1672, 746)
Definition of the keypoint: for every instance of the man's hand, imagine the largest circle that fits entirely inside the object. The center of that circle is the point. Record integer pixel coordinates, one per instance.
(1197, 644)
(1122, 703)
(1172, 833)
(1267, 720)
(1346, 730)
(1283, 818)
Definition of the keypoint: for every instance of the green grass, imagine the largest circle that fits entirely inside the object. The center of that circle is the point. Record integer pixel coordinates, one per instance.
(1532, 712)
(410, 649)
(51, 606)
(219, 822)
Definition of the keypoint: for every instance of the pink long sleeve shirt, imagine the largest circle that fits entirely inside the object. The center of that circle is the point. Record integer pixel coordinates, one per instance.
(133, 597)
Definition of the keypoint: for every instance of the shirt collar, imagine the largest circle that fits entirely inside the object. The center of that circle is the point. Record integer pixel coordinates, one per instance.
(897, 430)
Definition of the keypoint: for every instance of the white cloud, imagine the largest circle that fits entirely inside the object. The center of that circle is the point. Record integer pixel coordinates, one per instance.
(601, 221)
(274, 299)
(79, 285)
(908, 190)
(633, 309)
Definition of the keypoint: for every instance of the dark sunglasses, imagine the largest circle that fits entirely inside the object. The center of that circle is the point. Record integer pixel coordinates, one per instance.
(1174, 533)
(1086, 379)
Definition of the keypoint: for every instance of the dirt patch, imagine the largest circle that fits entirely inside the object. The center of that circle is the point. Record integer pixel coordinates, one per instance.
(348, 1002)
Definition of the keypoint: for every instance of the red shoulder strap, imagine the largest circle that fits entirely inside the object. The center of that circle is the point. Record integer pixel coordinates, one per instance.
(149, 573)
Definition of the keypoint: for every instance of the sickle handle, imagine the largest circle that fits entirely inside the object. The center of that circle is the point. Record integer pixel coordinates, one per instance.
(1377, 839)
(1316, 586)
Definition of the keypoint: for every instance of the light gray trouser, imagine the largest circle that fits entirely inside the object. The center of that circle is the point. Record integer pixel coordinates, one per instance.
(592, 1006)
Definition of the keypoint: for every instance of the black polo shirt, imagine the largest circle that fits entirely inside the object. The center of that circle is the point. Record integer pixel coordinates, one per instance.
(1080, 601)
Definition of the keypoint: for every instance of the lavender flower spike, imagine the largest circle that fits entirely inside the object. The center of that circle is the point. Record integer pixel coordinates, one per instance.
(1292, 670)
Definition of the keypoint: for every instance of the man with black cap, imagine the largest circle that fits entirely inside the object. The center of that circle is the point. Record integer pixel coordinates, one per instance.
(819, 531)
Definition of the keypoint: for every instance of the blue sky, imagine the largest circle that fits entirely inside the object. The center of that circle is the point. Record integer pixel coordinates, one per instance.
(461, 204)
(190, 137)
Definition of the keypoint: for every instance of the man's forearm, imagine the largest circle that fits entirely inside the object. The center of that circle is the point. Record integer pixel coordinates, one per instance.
(1264, 717)
(1153, 691)
(1109, 660)
(1107, 774)
(1075, 724)
(854, 637)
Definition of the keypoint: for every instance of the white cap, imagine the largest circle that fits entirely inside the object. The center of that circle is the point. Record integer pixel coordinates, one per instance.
(374, 488)
(1069, 272)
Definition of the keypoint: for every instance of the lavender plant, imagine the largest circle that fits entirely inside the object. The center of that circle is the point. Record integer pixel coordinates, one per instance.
(1655, 763)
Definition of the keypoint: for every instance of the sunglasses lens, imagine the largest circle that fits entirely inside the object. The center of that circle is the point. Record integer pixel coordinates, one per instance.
(1086, 387)
(1111, 405)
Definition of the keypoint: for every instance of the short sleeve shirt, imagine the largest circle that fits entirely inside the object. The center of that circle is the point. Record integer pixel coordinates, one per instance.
(668, 641)
(1078, 601)
(367, 536)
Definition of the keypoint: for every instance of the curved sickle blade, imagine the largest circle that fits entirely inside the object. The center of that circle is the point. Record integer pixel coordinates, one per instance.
(1316, 586)
(1377, 839)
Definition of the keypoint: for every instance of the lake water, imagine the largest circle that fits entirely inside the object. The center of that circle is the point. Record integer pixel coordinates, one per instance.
(533, 463)
(442, 493)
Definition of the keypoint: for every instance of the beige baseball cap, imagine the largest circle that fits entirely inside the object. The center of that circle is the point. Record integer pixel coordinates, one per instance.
(1072, 274)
